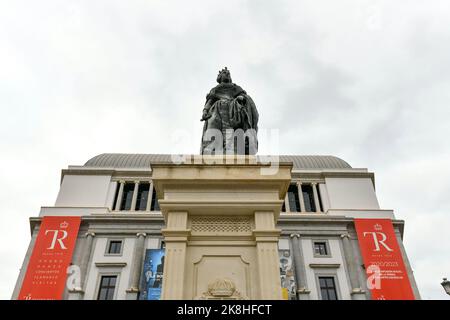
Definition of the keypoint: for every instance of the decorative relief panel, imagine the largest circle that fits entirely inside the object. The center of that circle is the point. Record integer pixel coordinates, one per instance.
(222, 289)
(221, 277)
(221, 224)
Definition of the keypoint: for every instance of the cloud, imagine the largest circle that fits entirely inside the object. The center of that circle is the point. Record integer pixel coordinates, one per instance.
(364, 80)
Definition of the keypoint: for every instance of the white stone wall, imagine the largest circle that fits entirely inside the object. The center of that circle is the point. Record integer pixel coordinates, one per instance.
(98, 191)
(336, 257)
(109, 203)
(351, 193)
(98, 256)
(324, 197)
(124, 273)
(84, 191)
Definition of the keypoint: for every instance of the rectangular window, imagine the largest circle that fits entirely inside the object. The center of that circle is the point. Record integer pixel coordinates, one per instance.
(155, 203)
(115, 247)
(107, 288)
(294, 203)
(127, 197)
(142, 197)
(320, 249)
(327, 288)
(308, 196)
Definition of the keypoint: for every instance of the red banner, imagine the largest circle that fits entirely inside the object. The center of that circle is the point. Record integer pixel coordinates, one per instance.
(387, 278)
(52, 253)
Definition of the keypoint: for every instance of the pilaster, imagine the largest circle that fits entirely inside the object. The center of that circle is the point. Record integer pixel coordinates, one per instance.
(266, 237)
(299, 267)
(175, 236)
(133, 291)
(357, 293)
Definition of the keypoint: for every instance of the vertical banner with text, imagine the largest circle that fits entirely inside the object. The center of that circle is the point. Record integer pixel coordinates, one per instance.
(386, 272)
(52, 253)
(152, 275)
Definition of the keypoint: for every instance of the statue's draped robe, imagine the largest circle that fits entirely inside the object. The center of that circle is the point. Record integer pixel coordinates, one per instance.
(227, 112)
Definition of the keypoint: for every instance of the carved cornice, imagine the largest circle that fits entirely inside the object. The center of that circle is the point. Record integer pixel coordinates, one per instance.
(176, 235)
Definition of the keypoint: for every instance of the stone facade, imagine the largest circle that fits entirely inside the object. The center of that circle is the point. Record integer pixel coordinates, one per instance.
(223, 227)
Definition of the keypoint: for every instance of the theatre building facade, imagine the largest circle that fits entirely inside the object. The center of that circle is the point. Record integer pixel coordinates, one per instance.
(139, 226)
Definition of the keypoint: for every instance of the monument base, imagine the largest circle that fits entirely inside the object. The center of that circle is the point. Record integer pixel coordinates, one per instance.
(220, 236)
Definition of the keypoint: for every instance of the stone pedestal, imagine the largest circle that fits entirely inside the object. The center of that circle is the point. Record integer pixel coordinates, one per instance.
(220, 235)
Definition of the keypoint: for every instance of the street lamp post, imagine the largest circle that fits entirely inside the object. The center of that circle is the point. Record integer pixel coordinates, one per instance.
(446, 285)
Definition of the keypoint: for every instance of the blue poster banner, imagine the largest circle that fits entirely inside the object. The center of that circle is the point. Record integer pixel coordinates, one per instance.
(152, 275)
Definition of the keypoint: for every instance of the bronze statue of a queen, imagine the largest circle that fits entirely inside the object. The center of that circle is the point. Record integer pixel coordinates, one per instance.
(231, 119)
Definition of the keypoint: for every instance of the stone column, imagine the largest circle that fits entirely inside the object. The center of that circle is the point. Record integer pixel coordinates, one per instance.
(78, 293)
(300, 197)
(175, 237)
(86, 257)
(149, 198)
(266, 237)
(138, 260)
(119, 195)
(287, 207)
(316, 196)
(357, 292)
(299, 267)
(135, 194)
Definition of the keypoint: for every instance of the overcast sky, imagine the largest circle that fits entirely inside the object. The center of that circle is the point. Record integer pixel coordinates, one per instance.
(368, 81)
